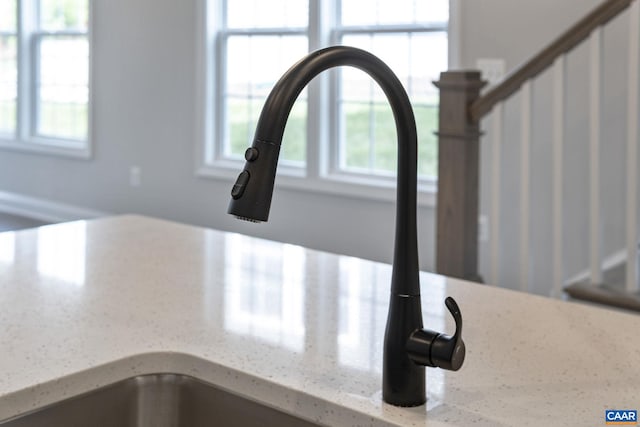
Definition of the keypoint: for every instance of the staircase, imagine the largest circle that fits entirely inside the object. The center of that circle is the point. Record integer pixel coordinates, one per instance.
(553, 216)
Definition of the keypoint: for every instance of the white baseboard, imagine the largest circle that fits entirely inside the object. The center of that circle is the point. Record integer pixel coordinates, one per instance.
(44, 210)
(614, 260)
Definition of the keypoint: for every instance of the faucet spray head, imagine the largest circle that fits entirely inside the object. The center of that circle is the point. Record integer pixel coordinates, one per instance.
(251, 194)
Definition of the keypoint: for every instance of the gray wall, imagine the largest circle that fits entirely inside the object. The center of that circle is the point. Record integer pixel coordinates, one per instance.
(144, 113)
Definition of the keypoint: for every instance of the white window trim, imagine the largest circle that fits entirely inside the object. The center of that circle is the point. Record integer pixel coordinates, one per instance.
(318, 176)
(25, 140)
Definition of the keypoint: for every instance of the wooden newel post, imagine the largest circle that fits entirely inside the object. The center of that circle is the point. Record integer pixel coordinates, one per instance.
(458, 176)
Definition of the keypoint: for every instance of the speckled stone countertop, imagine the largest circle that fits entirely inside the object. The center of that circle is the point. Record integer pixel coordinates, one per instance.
(85, 304)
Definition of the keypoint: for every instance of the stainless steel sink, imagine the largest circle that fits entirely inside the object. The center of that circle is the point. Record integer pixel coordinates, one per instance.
(162, 400)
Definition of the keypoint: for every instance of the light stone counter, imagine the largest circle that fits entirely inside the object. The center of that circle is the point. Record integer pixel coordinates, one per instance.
(85, 304)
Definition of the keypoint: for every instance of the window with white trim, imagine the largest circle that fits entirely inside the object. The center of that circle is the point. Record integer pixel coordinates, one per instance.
(345, 128)
(44, 75)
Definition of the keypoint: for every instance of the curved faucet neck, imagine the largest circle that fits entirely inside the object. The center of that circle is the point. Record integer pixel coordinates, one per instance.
(272, 121)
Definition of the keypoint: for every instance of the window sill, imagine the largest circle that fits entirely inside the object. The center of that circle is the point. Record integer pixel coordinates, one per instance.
(53, 147)
(352, 186)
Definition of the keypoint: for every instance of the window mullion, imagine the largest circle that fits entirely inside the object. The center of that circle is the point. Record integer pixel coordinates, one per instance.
(217, 18)
(400, 28)
(35, 109)
(27, 24)
(73, 33)
(264, 31)
(318, 129)
(220, 113)
(337, 133)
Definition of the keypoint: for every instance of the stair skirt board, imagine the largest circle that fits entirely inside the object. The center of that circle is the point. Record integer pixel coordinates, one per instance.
(605, 294)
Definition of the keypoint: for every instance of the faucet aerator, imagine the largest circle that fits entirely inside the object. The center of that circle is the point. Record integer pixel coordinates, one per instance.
(244, 218)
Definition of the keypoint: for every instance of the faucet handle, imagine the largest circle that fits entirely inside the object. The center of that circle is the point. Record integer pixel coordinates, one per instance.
(430, 348)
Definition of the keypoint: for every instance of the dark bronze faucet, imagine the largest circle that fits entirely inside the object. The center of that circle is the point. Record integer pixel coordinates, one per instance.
(407, 347)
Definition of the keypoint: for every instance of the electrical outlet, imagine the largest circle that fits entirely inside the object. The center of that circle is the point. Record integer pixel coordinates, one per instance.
(483, 228)
(135, 176)
(492, 69)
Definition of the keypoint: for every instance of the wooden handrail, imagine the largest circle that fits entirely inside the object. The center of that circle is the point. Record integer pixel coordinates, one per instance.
(563, 44)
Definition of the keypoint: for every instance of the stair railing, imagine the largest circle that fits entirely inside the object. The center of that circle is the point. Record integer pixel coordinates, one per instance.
(462, 107)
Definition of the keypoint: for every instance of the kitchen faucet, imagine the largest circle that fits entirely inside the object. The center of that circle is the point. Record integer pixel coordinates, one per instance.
(408, 348)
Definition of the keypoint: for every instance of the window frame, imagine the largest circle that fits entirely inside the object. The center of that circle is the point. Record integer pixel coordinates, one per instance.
(321, 173)
(25, 138)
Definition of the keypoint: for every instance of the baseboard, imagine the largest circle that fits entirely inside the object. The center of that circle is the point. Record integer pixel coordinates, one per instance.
(44, 210)
(614, 260)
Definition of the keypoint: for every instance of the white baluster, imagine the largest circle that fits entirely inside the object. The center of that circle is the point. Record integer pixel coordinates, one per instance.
(496, 167)
(525, 185)
(559, 102)
(632, 149)
(595, 102)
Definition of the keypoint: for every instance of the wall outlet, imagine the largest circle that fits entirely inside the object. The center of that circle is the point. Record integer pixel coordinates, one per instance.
(135, 176)
(492, 69)
(483, 228)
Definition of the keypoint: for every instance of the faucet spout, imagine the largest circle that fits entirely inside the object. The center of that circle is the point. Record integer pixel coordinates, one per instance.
(403, 373)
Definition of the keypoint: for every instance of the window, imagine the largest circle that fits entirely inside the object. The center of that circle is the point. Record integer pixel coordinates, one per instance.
(341, 128)
(44, 75)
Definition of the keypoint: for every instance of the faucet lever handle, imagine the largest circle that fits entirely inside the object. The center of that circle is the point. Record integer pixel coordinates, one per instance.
(435, 349)
(452, 305)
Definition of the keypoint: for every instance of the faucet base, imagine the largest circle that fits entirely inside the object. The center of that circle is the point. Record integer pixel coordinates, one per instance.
(403, 380)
